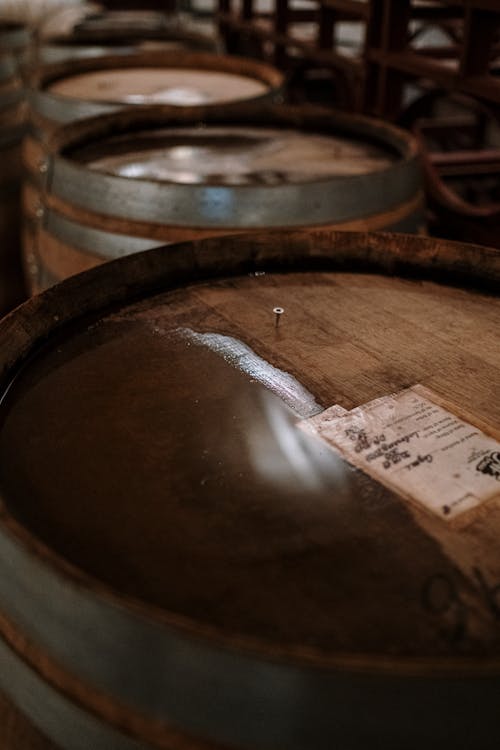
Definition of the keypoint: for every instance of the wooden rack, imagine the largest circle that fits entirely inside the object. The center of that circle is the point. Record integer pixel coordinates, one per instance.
(392, 52)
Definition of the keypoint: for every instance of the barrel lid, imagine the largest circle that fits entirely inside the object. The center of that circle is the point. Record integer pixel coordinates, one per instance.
(233, 155)
(192, 539)
(168, 433)
(179, 86)
(70, 90)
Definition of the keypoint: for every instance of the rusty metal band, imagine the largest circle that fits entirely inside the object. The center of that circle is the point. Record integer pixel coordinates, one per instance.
(170, 670)
(242, 206)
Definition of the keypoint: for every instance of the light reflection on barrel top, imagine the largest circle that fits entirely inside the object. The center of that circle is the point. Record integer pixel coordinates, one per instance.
(244, 358)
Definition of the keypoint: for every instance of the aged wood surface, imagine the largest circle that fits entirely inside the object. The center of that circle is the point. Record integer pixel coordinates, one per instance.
(194, 500)
(141, 85)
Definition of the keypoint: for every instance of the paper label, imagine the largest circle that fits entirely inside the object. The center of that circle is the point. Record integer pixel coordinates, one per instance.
(418, 448)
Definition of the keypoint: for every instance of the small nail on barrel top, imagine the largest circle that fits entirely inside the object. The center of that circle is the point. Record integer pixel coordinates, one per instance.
(278, 312)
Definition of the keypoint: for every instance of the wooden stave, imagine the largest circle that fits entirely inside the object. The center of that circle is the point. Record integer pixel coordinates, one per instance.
(401, 212)
(402, 254)
(63, 247)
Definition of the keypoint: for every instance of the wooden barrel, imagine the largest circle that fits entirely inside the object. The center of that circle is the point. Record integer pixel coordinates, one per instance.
(124, 183)
(12, 126)
(77, 89)
(80, 88)
(250, 497)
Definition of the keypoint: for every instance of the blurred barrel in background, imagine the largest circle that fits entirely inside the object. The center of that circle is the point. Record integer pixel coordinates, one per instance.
(72, 90)
(128, 181)
(81, 88)
(115, 32)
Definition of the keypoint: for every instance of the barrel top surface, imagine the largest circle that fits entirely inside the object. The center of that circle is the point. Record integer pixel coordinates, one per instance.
(157, 85)
(233, 155)
(256, 182)
(138, 447)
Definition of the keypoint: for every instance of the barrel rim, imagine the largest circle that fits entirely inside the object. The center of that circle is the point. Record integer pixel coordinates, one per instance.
(141, 275)
(188, 60)
(237, 206)
(59, 109)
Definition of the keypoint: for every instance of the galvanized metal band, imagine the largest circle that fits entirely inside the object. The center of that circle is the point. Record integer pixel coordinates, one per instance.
(223, 695)
(49, 54)
(50, 712)
(94, 241)
(319, 202)
(62, 110)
